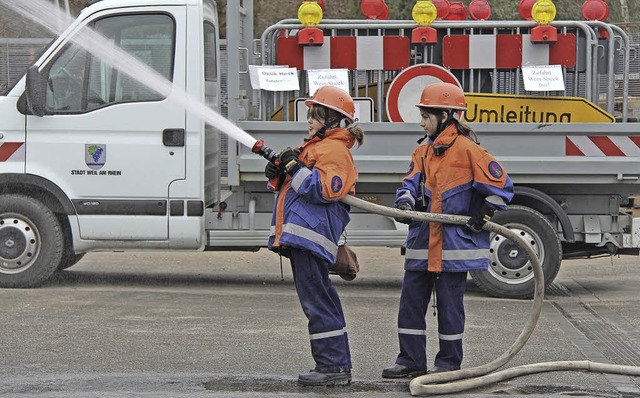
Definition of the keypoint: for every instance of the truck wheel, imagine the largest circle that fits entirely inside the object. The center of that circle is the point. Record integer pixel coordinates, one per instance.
(69, 259)
(510, 273)
(31, 242)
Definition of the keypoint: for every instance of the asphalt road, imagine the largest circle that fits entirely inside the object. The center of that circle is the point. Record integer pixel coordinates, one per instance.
(228, 325)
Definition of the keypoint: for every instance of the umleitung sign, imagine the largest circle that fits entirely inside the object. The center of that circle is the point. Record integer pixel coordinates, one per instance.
(504, 108)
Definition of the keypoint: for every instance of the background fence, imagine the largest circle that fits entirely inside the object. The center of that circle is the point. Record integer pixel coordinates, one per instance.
(16, 55)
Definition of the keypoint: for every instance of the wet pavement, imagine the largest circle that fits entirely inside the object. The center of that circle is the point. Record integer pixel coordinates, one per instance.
(228, 325)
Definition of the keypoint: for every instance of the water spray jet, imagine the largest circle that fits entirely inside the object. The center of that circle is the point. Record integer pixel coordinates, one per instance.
(51, 18)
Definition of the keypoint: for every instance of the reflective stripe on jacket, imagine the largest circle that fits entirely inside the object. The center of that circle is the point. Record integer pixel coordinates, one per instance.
(308, 214)
(456, 182)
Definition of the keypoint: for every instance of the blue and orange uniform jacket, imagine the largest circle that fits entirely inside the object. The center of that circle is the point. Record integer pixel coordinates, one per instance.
(307, 213)
(456, 182)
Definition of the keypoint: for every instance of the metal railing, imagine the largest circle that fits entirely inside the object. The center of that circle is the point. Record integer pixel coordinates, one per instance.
(600, 74)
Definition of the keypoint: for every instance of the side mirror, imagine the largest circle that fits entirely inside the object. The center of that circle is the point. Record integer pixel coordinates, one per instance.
(35, 91)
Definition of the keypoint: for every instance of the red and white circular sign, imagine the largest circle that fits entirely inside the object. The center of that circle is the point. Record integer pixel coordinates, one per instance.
(405, 90)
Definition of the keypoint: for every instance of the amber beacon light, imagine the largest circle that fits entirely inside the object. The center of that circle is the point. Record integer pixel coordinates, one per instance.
(310, 15)
(424, 13)
(544, 12)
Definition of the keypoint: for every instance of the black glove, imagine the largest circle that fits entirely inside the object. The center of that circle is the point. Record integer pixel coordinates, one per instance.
(289, 160)
(476, 222)
(272, 171)
(404, 206)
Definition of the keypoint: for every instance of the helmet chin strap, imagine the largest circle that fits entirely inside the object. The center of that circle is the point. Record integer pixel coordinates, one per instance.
(328, 124)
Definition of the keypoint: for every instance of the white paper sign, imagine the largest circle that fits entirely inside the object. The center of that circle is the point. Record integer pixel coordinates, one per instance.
(328, 77)
(274, 78)
(543, 78)
(253, 76)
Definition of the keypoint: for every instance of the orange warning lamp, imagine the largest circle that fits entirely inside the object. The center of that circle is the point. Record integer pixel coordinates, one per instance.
(524, 9)
(479, 10)
(310, 15)
(424, 12)
(443, 8)
(544, 12)
(596, 10)
(457, 12)
(374, 9)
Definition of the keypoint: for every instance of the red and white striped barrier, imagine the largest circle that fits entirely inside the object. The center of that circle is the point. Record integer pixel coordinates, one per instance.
(481, 51)
(602, 146)
(346, 52)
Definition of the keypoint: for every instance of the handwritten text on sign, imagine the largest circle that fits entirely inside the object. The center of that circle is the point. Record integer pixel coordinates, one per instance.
(543, 78)
(274, 78)
(328, 77)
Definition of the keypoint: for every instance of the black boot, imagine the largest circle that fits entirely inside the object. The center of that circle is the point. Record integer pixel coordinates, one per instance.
(315, 378)
(401, 371)
(437, 369)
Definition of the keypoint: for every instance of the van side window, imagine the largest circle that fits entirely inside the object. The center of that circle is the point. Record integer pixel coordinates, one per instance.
(79, 82)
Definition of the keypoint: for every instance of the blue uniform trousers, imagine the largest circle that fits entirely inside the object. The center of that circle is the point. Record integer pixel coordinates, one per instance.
(321, 305)
(417, 287)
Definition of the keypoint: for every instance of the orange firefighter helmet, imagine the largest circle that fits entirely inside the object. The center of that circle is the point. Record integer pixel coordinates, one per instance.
(443, 96)
(334, 98)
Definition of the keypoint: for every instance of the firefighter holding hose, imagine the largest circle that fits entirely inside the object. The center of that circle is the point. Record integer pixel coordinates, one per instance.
(309, 219)
(449, 173)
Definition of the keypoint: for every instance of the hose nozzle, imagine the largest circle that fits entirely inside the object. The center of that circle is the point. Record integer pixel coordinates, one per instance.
(265, 151)
(272, 157)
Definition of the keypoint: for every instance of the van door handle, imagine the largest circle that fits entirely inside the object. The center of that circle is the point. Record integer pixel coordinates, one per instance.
(173, 137)
(622, 177)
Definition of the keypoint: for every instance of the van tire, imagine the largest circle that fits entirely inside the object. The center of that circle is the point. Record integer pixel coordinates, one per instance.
(69, 259)
(510, 273)
(31, 242)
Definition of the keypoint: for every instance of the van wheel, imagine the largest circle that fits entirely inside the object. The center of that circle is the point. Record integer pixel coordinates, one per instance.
(31, 242)
(510, 273)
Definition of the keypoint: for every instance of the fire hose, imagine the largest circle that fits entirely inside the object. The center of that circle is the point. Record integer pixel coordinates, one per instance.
(466, 379)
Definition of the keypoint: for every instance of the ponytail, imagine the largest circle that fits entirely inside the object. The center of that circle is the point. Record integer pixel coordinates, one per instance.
(357, 132)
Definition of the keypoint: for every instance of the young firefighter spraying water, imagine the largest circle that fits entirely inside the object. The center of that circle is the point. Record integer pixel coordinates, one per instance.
(308, 220)
(451, 174)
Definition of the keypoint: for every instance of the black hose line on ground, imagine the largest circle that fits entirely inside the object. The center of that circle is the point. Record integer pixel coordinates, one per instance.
(466, 379)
